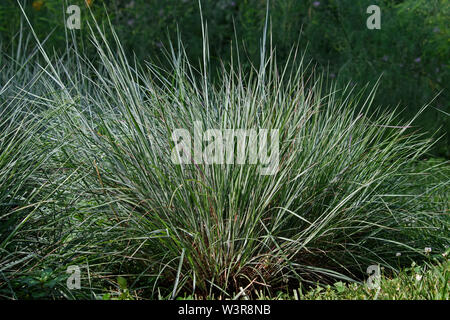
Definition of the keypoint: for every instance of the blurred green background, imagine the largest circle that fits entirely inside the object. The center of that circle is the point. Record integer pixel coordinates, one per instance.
(411, 51)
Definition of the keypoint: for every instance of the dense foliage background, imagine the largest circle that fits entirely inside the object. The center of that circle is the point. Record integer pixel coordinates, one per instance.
(411, 51)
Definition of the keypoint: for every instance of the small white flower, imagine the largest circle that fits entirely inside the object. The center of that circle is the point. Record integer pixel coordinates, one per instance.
(427, 249)
(398, 254)
(418, 277)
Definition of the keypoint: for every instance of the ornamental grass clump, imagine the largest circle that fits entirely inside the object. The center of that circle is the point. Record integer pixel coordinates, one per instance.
(342, 198)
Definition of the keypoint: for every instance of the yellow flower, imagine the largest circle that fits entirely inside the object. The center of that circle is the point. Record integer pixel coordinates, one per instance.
(89, 2)
(37, 5)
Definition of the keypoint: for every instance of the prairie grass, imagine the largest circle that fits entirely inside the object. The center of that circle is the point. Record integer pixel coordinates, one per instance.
(348, 193)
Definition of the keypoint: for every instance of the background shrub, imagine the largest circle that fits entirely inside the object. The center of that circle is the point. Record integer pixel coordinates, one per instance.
(411, 50)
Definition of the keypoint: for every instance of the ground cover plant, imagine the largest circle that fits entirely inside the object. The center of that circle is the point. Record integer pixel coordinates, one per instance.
(86, 152)
(427, 282)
